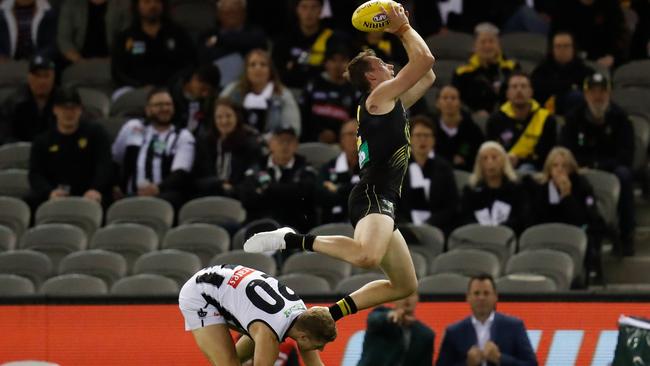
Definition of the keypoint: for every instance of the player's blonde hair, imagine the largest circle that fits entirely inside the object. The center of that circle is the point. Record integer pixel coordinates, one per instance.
(318, 323)
(356, 70)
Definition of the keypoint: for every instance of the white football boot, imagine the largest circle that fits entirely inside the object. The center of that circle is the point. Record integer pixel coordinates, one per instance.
(267, 241)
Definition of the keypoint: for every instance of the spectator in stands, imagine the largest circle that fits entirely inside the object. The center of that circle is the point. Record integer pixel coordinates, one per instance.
(28, 112)
(386, 46)
(429, 193)
(86, 27)
(598, 27)
(72, 159)
(524, 128)
(152, 50)
(155, 157)
(299, 53)
(395, 336)
(338, 177)
(19, 20)
(560, 194)
(557, 81)
(487, 337)
(225, 151)
(640, 47)
(457, 136)
(509, 15)
(233, 35)
(481, 80)
(281, 185)
(268, 103)
(192, 94)
(601, 136)
(329, 99)
(493, 195)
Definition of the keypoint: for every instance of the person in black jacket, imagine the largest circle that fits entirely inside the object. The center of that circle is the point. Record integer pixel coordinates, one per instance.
(192, 94)
(601, 136)
(71, 159)
(429, 193)
(225, 151)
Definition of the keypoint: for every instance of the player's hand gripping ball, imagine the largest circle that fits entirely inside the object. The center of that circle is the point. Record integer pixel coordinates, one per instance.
(371, 17)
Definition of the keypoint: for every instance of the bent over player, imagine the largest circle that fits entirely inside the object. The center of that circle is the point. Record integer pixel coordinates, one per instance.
(256, 305)
(383, 148)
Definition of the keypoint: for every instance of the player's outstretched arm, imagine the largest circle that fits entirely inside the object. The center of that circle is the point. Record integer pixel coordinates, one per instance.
(311, 358)
(245, 348)
(267, 346)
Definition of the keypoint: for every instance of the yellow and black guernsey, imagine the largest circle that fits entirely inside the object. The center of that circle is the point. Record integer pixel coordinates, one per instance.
(383, 145)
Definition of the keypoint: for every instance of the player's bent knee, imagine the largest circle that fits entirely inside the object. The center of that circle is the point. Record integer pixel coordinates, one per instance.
(366, 261)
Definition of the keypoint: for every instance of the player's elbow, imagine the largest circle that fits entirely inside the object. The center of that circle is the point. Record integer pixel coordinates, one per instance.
(428, 60)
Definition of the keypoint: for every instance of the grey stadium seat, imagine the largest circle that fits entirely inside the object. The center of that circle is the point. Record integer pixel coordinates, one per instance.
(27, 263)
(55, 240)
(130, 104)
(204, 240)
(443, 283)
(15, 155)
(445, 69)
(318, 153)
(498, 240)
(224, 211)
(145, 284)
(195, 16)
(14, 183)
(633, 74)
(78, 211)
(108, 266)
(553, 264)
(333, 270)
(467, 262)
(451, 45)
(172, 263)
(7, 239)
(524, 46)
(14, 285)
(154, 212)
(338, 228)
(112, 125)
(95, 102)
(462, 178)
(633, 100)
(258, 261)
(641, 127)
(91, 73)
(562, 237)
(306, 284)
(128, 240)
(424, 239)
(607, 190)
(14, 214)
(74, 285)
(14, 73)
(525, 284)
(420, 263)
(355, 282)
(252, 228)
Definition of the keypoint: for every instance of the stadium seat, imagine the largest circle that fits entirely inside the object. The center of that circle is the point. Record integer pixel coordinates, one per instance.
(252, 228)
(451, 45)
(258, 261)
(318, 153)
(305, 284)
(204, 240)
(467, 262)
(95, 102)
(420, 263)
(355, 282)
(342, 228)
(145, 284)
(7, 239)
(633, 74)
(443, 283)
(525, 284)
(498, 240)
(7, 92)
(633, 100)
(55, 240)
(641, 127)
(74, 285)
(14, 285)
(527, 66)
(78, 211)
(231, 67)
(113, 125)
(607, 190)
(445, 69)
(462, 179)
(154, 212)
(15, 155)
(553, 264)
(194, 16)
(92, 73)
(14, 214)
(14, 73)
(222, 211)
(424, 239)
(524, 46)
(333, 270)
(14, 183)
(129, 240)
(561, 237)
(108, 266)
(172, 263)
(27, 263)
(130, 104)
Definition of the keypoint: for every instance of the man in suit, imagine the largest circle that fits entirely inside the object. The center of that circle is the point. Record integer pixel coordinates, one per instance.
(396, 338)
(486, 338)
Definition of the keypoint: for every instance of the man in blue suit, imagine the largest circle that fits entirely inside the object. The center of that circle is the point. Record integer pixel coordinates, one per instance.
(486, 338)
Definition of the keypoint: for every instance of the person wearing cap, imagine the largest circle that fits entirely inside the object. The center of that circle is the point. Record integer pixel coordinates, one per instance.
(27, 28)
(72, 159)
(600, 136)
(328, 99)
(281, 185)
(192, 93)
(28, 112)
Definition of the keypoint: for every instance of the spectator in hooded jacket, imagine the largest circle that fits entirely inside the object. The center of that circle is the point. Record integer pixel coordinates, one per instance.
(27, 28)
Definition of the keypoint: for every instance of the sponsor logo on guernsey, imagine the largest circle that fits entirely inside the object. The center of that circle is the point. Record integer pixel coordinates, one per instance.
(294, 308)
(238, 276)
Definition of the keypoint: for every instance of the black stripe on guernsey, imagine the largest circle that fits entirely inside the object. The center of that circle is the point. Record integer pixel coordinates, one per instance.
(148, 162)
(225, 313)
(211, 278)
(267, 324)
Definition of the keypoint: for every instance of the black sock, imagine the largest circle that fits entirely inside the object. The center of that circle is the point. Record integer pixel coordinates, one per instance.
(299, 241)
(343, 307)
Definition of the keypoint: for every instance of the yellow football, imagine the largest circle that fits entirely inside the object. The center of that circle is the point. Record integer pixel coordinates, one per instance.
(369, 16)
